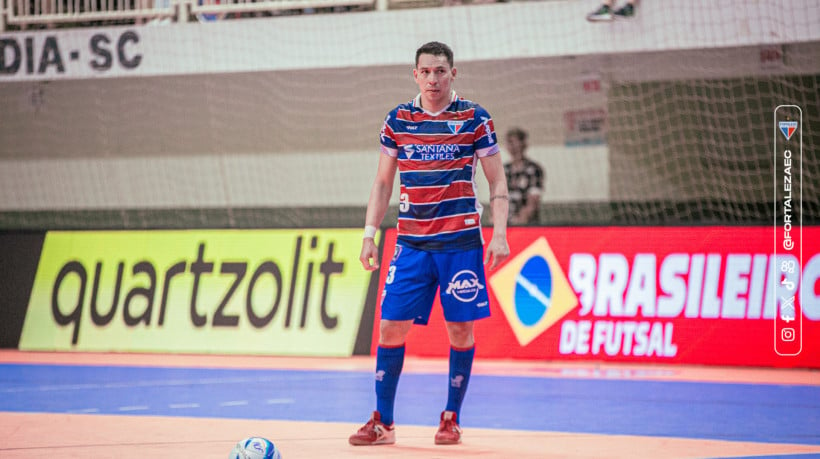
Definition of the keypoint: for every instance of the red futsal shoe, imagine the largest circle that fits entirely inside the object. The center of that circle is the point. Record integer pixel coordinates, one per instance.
(375, 432)
(449, 433)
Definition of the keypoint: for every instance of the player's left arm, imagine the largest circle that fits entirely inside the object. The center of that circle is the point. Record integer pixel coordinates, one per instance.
(497, 250)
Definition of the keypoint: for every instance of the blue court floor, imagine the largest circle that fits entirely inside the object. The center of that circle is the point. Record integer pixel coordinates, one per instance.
(774, 413)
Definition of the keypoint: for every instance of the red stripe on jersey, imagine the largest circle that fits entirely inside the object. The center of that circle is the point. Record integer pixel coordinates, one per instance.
(408, 115)
(481, 130)
(437, 225)
(387, 131)
(403, 138)
(410, 165)
(434, 194)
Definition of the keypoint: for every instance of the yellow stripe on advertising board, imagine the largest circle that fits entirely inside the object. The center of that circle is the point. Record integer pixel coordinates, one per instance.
(278, 292)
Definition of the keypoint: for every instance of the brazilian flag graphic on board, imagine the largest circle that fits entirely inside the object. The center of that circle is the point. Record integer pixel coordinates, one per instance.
(533, 291)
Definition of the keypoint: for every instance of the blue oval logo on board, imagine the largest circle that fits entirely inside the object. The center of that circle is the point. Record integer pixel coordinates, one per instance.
(533, 291)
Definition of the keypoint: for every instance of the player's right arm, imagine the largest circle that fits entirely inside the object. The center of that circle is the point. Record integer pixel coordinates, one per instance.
(377, 207)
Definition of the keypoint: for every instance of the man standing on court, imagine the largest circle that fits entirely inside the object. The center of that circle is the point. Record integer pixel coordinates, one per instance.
(436, 142)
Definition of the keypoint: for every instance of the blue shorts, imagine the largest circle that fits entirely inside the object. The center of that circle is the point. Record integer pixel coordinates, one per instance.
(414, 276)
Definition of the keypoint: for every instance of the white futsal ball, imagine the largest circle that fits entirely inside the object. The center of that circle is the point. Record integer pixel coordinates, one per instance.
(255, 448)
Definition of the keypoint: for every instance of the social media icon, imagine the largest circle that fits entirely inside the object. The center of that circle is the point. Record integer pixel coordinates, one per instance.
(787, 334)
(787, 266)
(789, 284)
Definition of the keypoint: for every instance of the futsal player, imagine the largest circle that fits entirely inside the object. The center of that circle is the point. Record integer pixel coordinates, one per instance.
(436, 141)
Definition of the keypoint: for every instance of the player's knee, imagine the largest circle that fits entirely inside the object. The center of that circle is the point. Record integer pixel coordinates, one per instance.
(393, 333)
(461, 334)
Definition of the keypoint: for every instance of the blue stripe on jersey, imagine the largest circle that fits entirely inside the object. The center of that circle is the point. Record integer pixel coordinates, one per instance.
(449, 242)
(439, 209)
(431, 178)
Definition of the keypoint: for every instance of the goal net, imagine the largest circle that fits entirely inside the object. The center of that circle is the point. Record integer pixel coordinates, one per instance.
(244, 123)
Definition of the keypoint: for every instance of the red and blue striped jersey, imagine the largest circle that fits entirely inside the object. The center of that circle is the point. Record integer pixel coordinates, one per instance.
(437, 156)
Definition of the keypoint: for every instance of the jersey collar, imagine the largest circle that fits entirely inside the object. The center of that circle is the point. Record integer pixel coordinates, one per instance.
(417, 103)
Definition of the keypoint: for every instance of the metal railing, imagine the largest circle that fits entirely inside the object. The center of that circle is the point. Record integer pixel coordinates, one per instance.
(223, 8)
(24, 14)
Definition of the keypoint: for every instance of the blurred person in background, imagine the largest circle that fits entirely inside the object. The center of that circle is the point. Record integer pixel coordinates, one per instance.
(525, 180)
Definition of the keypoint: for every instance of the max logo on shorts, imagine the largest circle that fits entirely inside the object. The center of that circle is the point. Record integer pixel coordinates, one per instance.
(464, 286)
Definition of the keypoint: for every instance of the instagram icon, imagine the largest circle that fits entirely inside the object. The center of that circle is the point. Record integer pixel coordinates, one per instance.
(787, 334)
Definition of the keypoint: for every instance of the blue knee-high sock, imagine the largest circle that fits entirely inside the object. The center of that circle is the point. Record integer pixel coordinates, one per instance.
(389, 362)
(461, 365)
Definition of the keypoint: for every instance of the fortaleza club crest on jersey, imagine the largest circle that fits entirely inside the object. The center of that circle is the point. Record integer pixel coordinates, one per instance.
(455, 126)
(788, 128)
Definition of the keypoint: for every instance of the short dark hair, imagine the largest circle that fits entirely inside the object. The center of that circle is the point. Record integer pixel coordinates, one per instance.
(436, 49)
(518, 132)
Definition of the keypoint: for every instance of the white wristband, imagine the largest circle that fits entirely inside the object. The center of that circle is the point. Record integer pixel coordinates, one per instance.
(369, 232)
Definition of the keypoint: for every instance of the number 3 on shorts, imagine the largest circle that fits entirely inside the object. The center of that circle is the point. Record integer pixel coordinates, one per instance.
(390, 274)
(404, 202)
